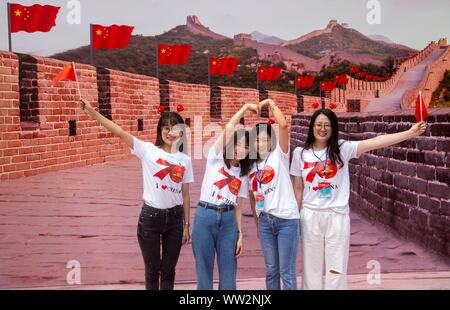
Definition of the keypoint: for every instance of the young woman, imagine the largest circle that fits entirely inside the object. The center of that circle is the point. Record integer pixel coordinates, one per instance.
(322, 190)
(273, 201)
(217, 224)
(167, 172)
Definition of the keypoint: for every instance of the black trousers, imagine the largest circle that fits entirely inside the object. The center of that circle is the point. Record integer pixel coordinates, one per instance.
(160, 229)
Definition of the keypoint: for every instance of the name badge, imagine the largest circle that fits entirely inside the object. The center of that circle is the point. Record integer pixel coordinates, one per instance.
(259, 202)
(324, 190)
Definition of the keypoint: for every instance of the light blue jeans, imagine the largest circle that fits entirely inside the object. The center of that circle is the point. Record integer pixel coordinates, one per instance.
(215, 232)
(279, 242)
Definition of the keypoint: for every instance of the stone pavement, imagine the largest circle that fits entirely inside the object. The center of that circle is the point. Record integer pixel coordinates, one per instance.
(90, 214)
(411, 78)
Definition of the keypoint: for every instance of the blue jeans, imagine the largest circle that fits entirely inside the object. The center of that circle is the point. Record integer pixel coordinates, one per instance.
(215, 232)
(279, 242)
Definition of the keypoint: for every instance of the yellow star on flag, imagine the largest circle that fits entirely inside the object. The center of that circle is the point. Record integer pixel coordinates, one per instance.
(18, 12)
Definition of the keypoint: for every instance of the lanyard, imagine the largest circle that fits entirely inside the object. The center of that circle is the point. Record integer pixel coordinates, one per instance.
(258, 172)
(321, 161)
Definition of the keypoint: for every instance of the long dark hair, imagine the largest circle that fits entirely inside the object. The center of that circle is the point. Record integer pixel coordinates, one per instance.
(334, 152)
(171, 119)
(256, 130)
(245, 163)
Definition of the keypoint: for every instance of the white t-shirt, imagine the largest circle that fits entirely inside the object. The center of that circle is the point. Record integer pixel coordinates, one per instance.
(311, 171)
(163, 174)
(279, 199)
(220, 184)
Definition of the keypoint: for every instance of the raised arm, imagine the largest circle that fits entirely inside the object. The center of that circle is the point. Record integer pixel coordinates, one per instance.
(108, 124)
(391, 139)
(283, 135)
(230, 127)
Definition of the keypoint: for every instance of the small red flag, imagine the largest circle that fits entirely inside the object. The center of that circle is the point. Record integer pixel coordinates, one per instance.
(362, 74)
(333, 106)
(305, 81)
(327, 86)
(315, 105)
(271, 73)
(271, 121)
(67, 73)
(354, 70)
(225, 65)
(173, 54)
(111, 36)
(421, 109)
(32, 18)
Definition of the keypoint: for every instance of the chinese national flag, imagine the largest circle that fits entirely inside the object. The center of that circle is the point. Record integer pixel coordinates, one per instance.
(67, 73)
(32, 18)
(342, 79)
(111, 36)
(222, 65)
(173, 54)
(421, 109)
(271, 73)
(327, 86)
(304, 81)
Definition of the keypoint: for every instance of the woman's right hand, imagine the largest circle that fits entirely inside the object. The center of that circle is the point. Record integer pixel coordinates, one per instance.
(252, 107)
(84, 105)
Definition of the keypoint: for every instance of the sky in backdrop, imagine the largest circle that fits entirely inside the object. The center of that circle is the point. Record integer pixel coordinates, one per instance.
(411, 22)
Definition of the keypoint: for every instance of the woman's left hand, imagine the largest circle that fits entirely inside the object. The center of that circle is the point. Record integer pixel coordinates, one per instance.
(265, 103)
(239, 246)
(418, 129)
(186, 235)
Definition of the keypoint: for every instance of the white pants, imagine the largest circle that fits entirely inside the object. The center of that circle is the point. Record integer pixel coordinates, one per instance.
(325, 239)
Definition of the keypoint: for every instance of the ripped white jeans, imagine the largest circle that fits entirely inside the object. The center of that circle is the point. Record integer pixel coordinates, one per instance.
(325, 240)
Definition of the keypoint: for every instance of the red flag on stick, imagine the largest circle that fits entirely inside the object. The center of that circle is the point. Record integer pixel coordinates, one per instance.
(354, 70)
(421, 109)
(173, 54)
(225, 65)
(111, 36)
(32, 18)
(271, 73)
(67, 73)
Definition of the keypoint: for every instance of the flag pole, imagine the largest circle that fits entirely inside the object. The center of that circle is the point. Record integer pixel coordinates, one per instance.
(257, 77)
(76, 79)
(420, 104)
(295, 83)
(91, 54)
(157, 62)
(9, 26)
(209, 72)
